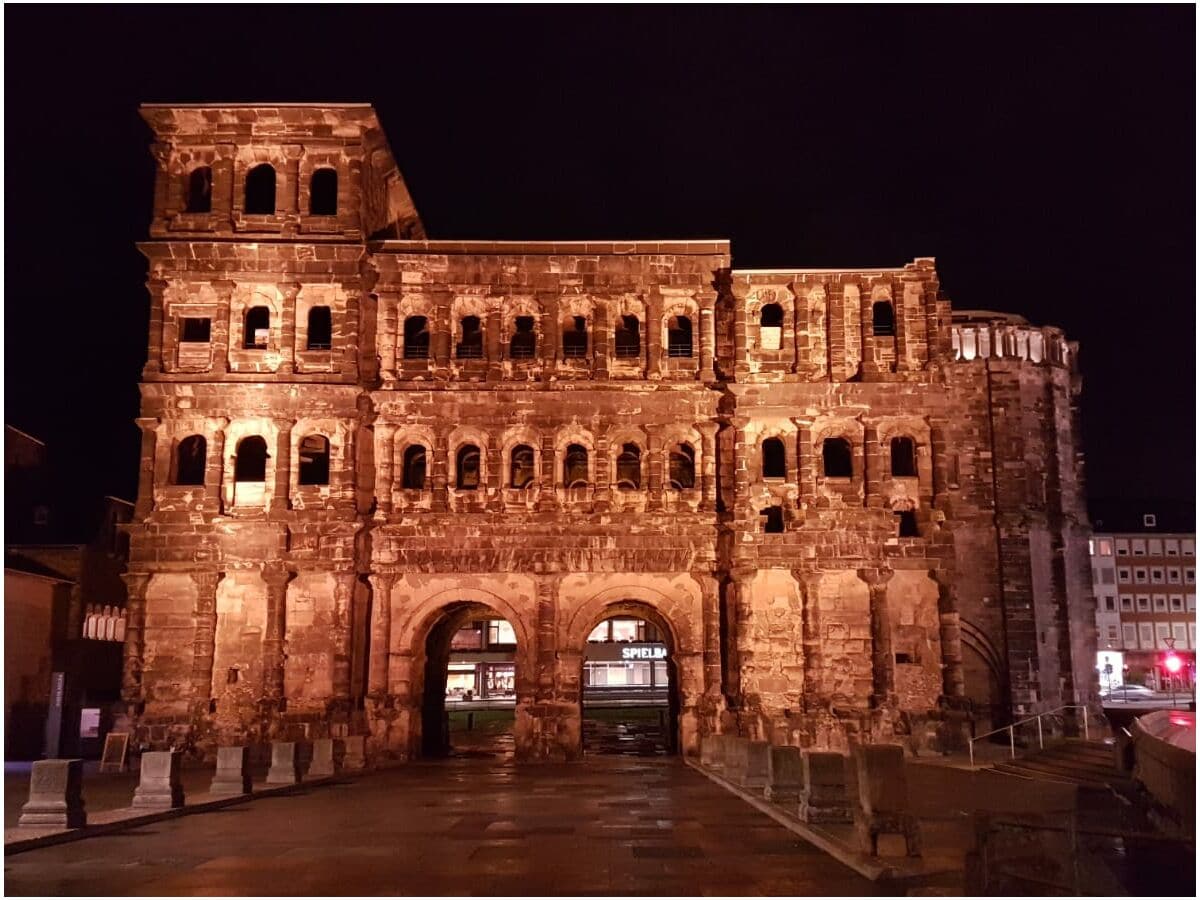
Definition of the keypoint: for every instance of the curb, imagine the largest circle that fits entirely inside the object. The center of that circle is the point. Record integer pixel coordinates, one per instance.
(111, 821)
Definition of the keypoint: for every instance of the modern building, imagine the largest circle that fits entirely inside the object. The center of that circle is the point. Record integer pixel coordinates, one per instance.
(850, 511)
(1144, 569)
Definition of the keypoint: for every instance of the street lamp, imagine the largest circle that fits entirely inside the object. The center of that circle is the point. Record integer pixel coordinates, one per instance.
(1173, 664)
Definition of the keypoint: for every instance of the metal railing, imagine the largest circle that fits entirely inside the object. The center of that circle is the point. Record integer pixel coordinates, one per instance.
(1012, 740)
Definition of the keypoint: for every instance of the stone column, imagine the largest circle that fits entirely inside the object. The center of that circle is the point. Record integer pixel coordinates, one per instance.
(653, 463)
(205, 642)
(800, 349)
(281, 498)
(874, 467)
(741, 470)
(341, 477)
(810, 582)
(214, 465)
(806, 463)
(387, 337)
(740, 621)
(440, 338)
(343, 621)
(741, 354)
(381, 633)
(496, 478)
(600, 472)
(601, 339)
(220, 325)
(710, 600)
(549, 347)
(164, 449)
(157, 289)
(440, 470)
(385, 463)
(867, 332)
(708, 465)
(135, 626)
(953, 684)
(654, 348)
(145, 495)
(883, 671)
(707, 301)
(547, 497)
(902, 302)
(287, 328)
(493, 344)
(277, 577)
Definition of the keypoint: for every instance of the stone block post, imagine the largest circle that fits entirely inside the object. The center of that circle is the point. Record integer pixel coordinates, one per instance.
(823, 796)
(354, 753)
(55, 795)
(285, 763)
(785, 775)
(883, 798)
(232, 777)
(159, 787)
(322, 759)
(757, 755)
(735, 758)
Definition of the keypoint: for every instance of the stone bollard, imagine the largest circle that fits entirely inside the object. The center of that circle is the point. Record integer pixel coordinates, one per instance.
(321, 765)
(285, 765)
(159, 786)
(708, 750)
(232, 777)
(354, 753)
(883, 798)
(736, 758)
(823, 796)
(55, 795)
(754, 775)
(785, 775)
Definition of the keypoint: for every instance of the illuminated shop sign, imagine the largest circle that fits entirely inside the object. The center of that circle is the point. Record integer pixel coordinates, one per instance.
(644, 652)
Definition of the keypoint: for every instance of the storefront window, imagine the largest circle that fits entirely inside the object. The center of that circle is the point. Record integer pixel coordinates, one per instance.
(500, 632)
(627, 630)
(501, 681)
(599, 633)
(460, 683)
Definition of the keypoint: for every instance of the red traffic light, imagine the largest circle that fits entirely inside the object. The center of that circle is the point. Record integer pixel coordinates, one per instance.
(1173, 663)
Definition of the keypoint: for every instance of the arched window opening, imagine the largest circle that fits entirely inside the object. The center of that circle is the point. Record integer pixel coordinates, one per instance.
(575, 466)
(774, 460)
(628, 343)
(320, 328)
(681, 468)
(629, 468)
(314, 460)
(470, 344)
(199, 190)
(772, 520)
(679, 336)
(251, 461)
(904, 458)
(835, 454)
(523, 343)
(195, 330)
(521, 466)
(883, 319)
(190, 458)
(322, 193)
(467, 468)
(574, 337)
(906, 520)
(260, 191)
(770, 324)
(416, 337)
(257, 333)
(413, 474)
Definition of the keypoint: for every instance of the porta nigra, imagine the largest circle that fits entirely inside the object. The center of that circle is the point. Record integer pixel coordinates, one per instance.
(853, 513)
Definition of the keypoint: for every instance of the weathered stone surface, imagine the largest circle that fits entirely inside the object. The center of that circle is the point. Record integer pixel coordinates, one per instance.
(159, 786)
(883, 797)
(322, 759)
(907, 458)
(354, 756)
(55, 795)
(824, 796)
(233, 771)
(785, 775)
(285, 763)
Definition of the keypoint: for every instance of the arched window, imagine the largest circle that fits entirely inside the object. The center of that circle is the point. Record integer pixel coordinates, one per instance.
(260, 191)
(320, 328)
(523, 343)
(835, 454)
(470, 344)
(251, 461)
(574, 337)
(521, 466)
(199, 190)
(679, 336)
(416, 337)
(629, 468)
(257, 332)
(322, 193)
(190, 457)
(681, 469)
(774, 460)
(467, 468)
(883, 319)
(575, 466)
(904, 457)
(770, 326)
(772, 519)
(314, 459)
(413, 476)
(628, 336)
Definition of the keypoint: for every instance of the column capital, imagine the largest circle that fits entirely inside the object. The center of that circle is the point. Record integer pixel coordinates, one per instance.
(207, 581)
(381, 581)
(876, 577)
(276, 574)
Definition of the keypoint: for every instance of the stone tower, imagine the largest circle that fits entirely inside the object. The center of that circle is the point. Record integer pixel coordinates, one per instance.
(854, 514)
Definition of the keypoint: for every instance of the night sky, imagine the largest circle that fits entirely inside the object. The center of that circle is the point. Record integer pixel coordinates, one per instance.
(1044, 156)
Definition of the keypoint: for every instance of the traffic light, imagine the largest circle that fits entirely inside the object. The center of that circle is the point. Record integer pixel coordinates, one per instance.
(1173, 663)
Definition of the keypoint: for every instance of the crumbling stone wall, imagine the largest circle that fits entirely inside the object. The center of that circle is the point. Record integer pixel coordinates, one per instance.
(268, 606)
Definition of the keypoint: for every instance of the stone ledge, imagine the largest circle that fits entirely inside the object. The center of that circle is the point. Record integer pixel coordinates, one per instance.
(836, 840)
(18, 840)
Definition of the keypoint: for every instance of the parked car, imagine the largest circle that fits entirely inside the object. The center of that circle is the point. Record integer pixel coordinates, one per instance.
(1123, 692)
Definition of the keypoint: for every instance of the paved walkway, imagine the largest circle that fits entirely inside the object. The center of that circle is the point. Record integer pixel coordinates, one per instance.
(611, 825)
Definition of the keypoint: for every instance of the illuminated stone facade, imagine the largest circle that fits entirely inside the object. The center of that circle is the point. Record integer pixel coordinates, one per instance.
(555, 432)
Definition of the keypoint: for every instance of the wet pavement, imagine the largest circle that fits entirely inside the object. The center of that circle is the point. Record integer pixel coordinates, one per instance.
(464, 826)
